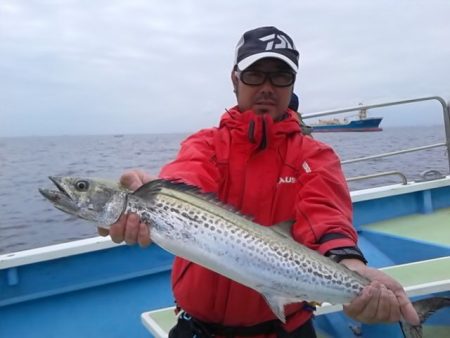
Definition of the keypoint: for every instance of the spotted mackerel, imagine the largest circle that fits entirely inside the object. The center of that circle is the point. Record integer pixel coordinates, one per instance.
(198, 227)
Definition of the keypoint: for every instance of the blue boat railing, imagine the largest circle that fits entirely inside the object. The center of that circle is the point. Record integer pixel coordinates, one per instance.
(446, 115)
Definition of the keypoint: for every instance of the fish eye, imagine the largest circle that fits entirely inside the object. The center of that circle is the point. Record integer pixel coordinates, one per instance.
(82, 185)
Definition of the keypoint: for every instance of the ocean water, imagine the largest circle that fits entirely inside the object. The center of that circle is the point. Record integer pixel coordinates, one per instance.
(29, 221)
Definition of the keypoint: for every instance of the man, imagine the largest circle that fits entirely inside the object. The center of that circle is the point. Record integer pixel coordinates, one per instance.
(258, 161)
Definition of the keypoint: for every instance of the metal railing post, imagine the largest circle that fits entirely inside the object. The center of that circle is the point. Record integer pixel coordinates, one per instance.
(447, 131)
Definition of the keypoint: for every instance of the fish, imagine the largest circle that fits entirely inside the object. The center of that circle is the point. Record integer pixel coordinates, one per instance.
(196, 226)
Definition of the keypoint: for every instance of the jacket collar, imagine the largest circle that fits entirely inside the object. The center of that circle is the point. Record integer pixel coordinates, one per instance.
(260, 130)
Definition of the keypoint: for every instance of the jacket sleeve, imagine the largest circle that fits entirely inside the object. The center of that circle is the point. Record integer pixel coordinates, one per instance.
(323, 206)
(195, 163)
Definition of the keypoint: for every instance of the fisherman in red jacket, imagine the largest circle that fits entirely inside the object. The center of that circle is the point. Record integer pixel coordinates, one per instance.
(259, 162)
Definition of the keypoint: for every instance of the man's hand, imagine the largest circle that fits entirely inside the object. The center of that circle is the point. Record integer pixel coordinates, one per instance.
(383, 300)
(129, 228)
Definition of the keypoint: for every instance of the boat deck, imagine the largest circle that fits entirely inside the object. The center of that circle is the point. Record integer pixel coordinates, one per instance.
(433, 228)
(428, 234)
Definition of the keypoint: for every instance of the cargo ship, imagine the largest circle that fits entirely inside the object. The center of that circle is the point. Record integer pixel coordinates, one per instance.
(362, 123)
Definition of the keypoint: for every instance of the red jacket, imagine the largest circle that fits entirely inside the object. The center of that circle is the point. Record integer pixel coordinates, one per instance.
(270, 171)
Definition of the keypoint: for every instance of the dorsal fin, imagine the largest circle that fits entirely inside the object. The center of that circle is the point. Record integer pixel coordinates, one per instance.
(150, 189)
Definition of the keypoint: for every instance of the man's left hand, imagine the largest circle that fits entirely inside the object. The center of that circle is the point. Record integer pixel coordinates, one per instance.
(383, 300)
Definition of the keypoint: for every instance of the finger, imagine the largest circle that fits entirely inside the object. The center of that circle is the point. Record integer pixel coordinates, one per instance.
(369, 313)
(144, 177)
(102, 231)
(388, 307)
(144, 235)
(132, 229)
(117, 230)
(131, 180)
(134, 179)
(391, 283)
(395, 314)
(408, 312)
(357, 305)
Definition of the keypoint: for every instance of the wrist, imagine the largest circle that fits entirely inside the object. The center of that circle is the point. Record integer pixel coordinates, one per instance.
(339, 254)
(353, 264)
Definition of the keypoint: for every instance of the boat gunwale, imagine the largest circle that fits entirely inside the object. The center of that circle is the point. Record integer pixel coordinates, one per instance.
(55, 251)
(398, 189)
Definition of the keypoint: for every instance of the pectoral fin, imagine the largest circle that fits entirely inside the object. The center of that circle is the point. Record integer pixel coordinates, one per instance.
(277, 304)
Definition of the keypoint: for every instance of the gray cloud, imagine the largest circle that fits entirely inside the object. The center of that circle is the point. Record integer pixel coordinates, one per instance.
(71, 67)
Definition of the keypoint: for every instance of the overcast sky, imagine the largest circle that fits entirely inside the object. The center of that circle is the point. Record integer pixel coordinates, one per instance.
(109, 67)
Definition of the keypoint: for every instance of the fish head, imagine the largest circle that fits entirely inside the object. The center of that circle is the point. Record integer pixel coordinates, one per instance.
(87, 198)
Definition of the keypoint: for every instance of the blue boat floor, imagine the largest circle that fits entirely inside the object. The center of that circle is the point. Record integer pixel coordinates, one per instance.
(434, 227)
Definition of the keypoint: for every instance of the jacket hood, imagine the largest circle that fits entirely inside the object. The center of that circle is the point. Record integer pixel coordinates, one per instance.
(260, 130)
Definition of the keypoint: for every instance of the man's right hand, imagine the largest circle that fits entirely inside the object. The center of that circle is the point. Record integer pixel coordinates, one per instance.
(129, 228)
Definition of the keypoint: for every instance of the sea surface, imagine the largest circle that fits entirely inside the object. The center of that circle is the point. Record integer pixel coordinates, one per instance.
(28, 221)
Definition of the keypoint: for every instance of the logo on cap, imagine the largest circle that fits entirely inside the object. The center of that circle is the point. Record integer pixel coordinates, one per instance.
(265, 42)
(272, 38)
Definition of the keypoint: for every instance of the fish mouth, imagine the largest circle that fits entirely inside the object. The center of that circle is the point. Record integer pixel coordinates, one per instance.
(60, 198)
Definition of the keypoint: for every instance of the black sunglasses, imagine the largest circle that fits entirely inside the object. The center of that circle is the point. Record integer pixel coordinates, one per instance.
(277, 78)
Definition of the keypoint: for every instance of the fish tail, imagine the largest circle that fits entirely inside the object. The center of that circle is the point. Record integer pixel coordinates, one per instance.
(425, 308)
